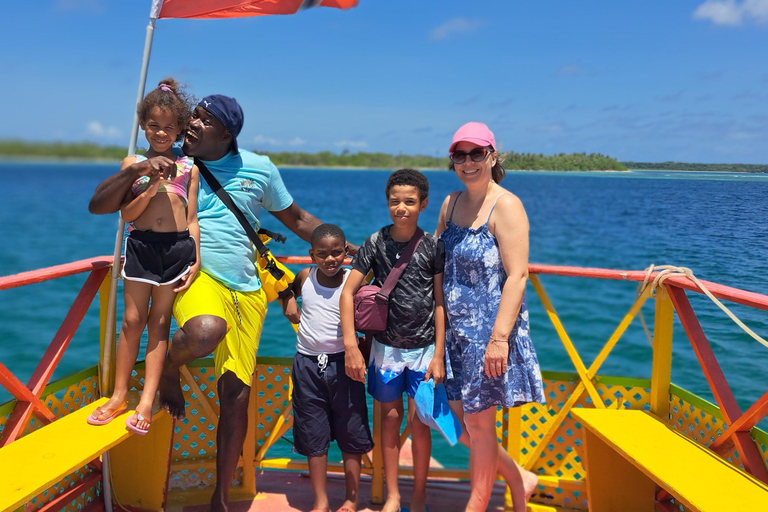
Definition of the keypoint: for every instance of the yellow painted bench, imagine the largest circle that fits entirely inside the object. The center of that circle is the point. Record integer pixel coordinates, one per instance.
(629, 453)
(38, 460)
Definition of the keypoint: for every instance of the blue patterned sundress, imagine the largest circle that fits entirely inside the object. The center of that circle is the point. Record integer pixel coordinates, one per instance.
(473, 280)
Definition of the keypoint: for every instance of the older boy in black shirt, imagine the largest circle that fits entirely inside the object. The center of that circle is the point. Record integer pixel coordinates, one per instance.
(412, 348)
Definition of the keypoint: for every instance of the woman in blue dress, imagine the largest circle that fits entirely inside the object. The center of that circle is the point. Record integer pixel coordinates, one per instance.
(491, 360)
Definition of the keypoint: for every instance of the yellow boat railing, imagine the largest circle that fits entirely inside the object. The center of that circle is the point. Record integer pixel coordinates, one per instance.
(543, 438)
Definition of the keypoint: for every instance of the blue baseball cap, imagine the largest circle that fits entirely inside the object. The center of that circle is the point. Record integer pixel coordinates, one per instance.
(432, 409)
(226, 110)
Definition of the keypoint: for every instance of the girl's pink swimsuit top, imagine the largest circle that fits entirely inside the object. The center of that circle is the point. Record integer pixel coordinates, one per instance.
(177, 185)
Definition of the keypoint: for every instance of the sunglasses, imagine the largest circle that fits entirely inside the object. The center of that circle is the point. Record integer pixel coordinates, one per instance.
(477, 155)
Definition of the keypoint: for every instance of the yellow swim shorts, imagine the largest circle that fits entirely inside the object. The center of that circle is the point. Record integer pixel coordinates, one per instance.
(244, 313)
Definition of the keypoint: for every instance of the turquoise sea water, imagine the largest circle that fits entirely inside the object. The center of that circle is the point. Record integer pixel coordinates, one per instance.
(714, 224)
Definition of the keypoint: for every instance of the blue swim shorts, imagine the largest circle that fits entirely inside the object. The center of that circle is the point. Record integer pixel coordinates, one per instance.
(392, 371)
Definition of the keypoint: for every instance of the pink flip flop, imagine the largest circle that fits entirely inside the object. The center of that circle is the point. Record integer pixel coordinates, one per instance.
(133, 428)
(95, 421)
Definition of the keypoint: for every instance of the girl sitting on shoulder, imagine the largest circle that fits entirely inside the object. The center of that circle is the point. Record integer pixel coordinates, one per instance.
(162, 252)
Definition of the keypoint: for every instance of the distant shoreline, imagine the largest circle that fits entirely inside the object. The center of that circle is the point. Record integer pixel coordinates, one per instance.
(20, 150)
(56, 159)
(105, 161)
(72, 160)
(31, 160)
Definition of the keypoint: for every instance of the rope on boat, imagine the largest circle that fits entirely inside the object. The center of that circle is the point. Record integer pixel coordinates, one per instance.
(667, 271)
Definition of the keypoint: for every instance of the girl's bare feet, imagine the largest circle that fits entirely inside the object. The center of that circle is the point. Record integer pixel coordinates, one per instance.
(107, 412)
(144, 417)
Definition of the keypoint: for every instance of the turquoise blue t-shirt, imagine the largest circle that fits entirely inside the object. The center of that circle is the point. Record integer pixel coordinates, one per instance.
(253, 182)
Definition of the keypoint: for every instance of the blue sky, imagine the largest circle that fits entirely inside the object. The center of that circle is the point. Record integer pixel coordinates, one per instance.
(649, 80)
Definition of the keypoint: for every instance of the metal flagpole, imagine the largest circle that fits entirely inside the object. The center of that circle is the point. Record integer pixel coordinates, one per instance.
(107, 363)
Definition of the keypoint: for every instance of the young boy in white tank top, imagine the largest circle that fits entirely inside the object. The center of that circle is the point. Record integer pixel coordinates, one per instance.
(327, 404)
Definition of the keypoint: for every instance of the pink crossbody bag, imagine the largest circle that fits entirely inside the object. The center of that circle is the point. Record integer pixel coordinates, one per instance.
(372, 302)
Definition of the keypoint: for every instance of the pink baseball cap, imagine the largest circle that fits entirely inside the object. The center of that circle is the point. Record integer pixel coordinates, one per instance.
(476, 133)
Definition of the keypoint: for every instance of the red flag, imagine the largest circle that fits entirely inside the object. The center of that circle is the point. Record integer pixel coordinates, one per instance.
(241, 8)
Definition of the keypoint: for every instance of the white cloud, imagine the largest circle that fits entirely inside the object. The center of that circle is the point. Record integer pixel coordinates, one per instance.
(352, 144)
(95, 128)
(260, 139)
(455, 26)
(732, 13)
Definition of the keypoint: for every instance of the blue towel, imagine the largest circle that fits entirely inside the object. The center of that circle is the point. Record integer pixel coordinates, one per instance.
(433, 410)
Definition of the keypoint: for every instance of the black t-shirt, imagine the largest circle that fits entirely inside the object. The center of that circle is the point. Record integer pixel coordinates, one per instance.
(411, 320)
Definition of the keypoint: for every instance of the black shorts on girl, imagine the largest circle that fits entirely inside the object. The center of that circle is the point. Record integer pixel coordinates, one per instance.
(328, 405)
(158, 258)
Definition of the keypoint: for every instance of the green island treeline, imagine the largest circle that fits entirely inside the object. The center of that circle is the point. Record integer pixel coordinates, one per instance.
(682, 166)
(346, 159)
(562, 162)
(512, 160)
(69, 150)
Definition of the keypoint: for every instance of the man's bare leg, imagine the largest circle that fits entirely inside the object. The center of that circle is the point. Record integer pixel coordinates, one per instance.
(233, 425)
(196, 339)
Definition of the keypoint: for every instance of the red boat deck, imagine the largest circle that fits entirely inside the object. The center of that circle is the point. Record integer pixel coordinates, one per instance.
(283, 491)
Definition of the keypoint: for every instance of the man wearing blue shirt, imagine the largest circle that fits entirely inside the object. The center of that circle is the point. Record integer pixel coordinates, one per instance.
(222, 309)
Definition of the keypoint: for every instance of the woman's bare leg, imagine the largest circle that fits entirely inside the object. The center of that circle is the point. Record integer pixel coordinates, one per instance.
(483, 457)
(522, 483)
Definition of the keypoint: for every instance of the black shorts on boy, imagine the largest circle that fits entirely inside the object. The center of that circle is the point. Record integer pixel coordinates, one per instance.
(158, 258)
(327, 406)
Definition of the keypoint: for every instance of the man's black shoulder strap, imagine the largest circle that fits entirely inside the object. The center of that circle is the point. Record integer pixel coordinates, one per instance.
(227, 200)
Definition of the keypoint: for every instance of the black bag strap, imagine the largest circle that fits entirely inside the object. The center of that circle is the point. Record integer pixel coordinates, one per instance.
(399, 268)
(276, 272)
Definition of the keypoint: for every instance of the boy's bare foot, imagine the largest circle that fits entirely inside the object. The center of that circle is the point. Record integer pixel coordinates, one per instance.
(391, 506)
(418, 501)
(348, 506)
(417, 507)
(171, 396)
(321, 505)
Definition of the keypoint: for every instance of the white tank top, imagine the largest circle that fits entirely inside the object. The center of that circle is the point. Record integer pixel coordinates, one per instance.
(320, 324)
